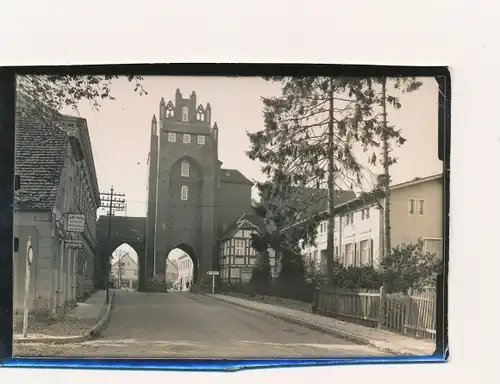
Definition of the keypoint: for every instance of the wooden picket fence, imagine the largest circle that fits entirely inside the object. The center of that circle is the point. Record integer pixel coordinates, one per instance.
(410, 314)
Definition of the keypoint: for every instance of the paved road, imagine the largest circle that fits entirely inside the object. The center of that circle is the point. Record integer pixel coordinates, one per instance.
(182, 325)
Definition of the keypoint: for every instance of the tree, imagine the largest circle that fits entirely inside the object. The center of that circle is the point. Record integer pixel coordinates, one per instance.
(409, 266)
(45, 96)
(308, 141)
(375, 92)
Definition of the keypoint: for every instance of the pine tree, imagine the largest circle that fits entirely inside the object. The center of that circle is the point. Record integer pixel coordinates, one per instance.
(308, 141)
(376, 93)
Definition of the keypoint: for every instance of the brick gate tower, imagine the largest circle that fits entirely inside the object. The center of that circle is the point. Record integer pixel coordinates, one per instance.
(183, 179)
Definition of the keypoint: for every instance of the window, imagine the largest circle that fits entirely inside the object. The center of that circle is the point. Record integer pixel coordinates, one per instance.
(240, 247)
(352, 218)
(365, 252)
(186, 138)
(172, 137)
(411, 206)
(185, 114)
(347, 220)
(365, 214)
(349, 254)
(184, 193)
(185, 168)
(201, 140)
(420, 207)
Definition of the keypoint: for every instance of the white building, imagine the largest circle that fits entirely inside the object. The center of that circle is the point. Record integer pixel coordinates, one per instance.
(58, 178)
(416, 212)
(125, 272)
(185, 269)
(172, 272)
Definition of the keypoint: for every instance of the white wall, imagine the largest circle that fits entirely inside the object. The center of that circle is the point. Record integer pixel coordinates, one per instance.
(347, 231)
(39, 227)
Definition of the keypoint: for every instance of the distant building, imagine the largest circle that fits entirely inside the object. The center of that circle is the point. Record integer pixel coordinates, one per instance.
(125, 272)
(172, 273)
(237, 257)
(185, 273)
(58, 177)
(416, 212)
(306, 202)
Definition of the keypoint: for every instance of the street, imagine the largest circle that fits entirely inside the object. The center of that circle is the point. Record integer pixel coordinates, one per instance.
(186, 325)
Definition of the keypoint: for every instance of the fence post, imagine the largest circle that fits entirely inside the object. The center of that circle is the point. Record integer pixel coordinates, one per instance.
(381, 310)
(407, 309)
(314, 306)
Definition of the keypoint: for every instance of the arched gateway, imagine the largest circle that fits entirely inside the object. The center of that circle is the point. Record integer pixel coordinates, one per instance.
(191, 199)
(129, 230)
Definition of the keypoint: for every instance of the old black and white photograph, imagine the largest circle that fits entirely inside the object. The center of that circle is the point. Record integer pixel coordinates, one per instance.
(226, 217)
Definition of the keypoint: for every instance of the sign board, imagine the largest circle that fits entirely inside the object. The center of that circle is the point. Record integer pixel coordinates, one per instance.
(213, 273)
(42, 218)
(73, 244)
(75, 222)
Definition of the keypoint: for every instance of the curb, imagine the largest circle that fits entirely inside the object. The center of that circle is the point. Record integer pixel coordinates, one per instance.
(87, 335)
(317, 327)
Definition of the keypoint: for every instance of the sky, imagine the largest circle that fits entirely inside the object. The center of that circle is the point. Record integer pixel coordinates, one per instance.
(120, 129)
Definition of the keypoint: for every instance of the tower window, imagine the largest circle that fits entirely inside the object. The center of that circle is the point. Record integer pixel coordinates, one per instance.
(185, 168)
(185, 114)
(172, 137)
(184, 193)
(201, 140)
(186, 138)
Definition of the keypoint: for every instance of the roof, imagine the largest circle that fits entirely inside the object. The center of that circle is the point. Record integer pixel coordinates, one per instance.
(125, 256)
(374, 196)
(233, 176)
(310, 201)
(314, 200)
(245, 221)
(40, 155)
(417, 180)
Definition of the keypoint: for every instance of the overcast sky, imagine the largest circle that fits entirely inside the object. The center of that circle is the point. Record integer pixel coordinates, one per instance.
(120, 130)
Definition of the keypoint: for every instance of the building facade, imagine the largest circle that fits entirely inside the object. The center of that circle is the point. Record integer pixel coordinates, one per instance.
(190, 197)
(57, 173)
(416, 212)
(172, 272)
(237, 257)
(125, 272)
(185, 269)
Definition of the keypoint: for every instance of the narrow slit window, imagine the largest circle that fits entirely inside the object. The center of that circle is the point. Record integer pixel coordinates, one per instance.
(185, 114)
(185, 168)
(184, 193)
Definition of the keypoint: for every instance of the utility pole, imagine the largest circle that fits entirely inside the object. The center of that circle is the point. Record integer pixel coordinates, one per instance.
(114, 202)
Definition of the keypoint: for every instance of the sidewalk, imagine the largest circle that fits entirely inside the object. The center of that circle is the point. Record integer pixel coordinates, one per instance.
(381, 339)
(79, 324)
(280, 302)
